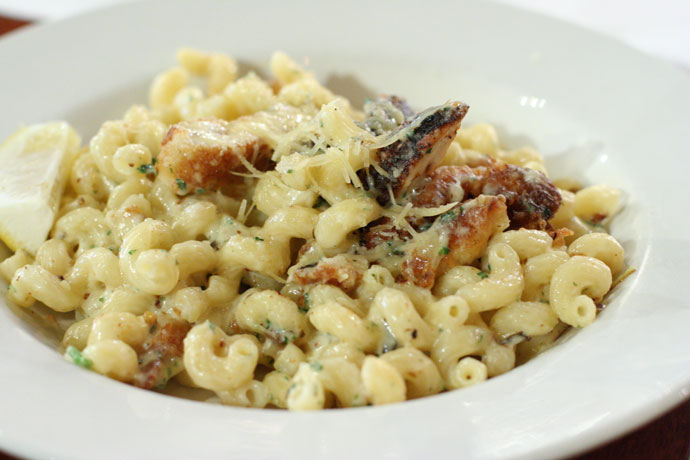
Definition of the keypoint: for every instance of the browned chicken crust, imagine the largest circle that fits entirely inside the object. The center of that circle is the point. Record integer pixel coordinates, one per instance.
(468, 228)
(337, 271)
(471, 228)
(530, 196)
(160, 357)
(206, 153)
(422, 149)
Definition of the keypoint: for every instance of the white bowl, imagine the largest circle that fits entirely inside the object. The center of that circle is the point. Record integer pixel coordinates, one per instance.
(601, 112)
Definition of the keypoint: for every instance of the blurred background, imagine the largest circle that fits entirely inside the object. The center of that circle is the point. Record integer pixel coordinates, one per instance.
(659, 27)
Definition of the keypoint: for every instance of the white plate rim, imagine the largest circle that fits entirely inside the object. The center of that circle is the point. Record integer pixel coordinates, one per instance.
(667, 395)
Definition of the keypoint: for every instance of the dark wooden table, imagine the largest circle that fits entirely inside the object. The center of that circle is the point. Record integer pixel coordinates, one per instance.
(666, 438)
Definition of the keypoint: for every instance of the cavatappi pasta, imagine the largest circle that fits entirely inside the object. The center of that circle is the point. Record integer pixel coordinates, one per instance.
(268, 243)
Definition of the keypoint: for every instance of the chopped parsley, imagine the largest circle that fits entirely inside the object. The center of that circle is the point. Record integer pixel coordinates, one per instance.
(305, 306)
(316, 366)
(78, 358)
(147, 168)
(101, 299)
(258, 239)
(289, 171)
(448, 216)
(131, 251)
(108, 232)
(200, 191)
(482, 274)
(444, 250)
(181, 184)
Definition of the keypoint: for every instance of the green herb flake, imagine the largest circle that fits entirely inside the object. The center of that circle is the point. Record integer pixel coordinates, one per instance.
(285, 340)
(483, 274)
(78, 358)
(448, 216)
(398, 252)
(268, 323)
(108, 232)
(181, 184)
(200, 191)
(258, 239)
(131, 251)
(101, 299)
(147, 169)
(316, 366)
(289, 171)
(444, 250)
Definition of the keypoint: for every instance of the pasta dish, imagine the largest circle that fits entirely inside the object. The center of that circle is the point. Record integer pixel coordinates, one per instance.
(270, 245)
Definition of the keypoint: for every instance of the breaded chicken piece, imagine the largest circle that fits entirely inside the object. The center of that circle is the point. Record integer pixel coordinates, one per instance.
(470, 227)
(423, 143)
(530, 196)
(205, 153)
(463, 234)
(160, 356)
(338, 271)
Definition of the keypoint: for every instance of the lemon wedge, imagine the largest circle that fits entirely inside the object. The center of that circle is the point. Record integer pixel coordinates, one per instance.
(33, 172)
